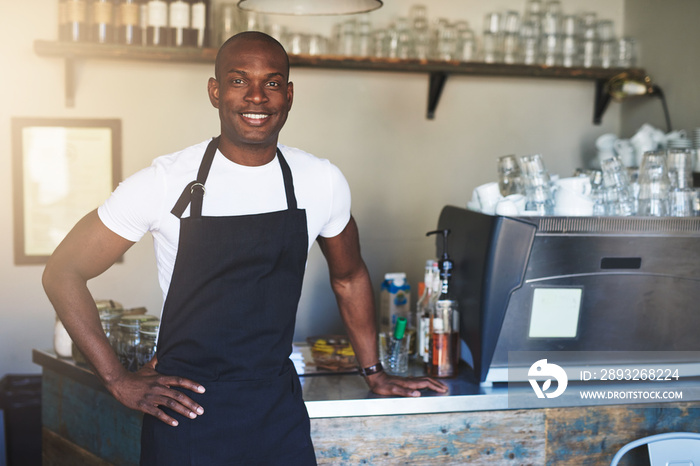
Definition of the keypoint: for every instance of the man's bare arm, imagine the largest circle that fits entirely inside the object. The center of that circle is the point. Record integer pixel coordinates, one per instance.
(86, 252)
(353, 290)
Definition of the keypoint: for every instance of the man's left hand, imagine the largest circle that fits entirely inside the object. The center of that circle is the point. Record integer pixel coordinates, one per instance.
(385, 384)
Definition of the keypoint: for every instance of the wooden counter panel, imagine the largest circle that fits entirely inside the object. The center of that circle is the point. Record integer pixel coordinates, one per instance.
(84, 425)
(597, 433)
(91, 419)
(496, 437)
(57, 451)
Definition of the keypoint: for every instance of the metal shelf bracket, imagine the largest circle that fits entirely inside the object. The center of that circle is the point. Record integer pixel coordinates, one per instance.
(602, 99)
(437, 82)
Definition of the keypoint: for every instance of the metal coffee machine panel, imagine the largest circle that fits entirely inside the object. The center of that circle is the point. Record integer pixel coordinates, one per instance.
(573, 284)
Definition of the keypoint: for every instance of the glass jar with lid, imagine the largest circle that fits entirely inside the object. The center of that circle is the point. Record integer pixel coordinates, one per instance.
(128, 339)
(147, 344)
(109, 320)
(110, 312)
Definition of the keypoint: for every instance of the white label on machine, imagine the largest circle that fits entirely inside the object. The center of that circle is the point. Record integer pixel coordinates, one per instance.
(555, 312)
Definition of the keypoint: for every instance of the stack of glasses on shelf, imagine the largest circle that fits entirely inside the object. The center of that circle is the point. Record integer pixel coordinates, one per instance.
(407, 37)
(544, 35)
(661, 187)
(541, 35)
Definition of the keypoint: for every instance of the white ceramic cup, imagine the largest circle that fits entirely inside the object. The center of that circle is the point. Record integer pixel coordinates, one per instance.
(519, 201)
(642, 142)
(578, 184)
(568, 203)
(606, 142)
(506, 207)
(626, 152)
(673, 135)
(488, 195)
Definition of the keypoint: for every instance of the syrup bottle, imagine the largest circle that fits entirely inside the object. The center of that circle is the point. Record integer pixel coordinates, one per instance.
(443, 357)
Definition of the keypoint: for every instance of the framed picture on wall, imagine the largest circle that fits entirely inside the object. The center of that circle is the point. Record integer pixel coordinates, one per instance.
(62, 169)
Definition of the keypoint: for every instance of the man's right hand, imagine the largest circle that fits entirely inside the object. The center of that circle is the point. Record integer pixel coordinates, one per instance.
(147, 390)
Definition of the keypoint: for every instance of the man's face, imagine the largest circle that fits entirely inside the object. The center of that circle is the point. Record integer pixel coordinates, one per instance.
(252, 93)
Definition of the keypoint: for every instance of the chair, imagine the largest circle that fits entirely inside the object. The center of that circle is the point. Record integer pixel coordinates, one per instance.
(3, 449)
(670, 449)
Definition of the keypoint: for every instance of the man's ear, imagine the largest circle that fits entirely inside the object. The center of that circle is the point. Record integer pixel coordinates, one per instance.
(290, 95)
(213, 91)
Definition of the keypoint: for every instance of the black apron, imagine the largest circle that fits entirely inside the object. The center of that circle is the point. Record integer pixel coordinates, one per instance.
(228, 323)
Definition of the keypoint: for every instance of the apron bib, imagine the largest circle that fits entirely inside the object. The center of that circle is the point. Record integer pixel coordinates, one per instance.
(228, 323)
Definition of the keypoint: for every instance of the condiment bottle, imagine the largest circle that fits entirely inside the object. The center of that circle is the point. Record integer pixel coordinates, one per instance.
(443, 356)
(423, 309)
(394, 301)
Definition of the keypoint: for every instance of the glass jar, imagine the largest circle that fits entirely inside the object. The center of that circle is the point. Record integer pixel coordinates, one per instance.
(109, 320)
(128, 339)
(147, 344)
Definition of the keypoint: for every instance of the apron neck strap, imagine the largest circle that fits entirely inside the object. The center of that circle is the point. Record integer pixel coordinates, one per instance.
(194, 191)
(288, 181)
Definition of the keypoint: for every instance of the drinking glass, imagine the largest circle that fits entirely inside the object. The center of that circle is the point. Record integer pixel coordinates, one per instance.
(228, 22)
(348, 38)
(491, 47)
(570, 42)
(607, 53)
(509, 175)
(530, 40)
(680, 167)
(466, 45)
(626, 52)
(318, 45)
(511, 48)
(551, 23)
(405, 44)
(618, 194)
(682, 202)
(394, 353)
(606, 29)
(532, 165)
(654, 185)
(571, 25)
(511, 22)
(551, 50)
(380, 45)
(418, 15)
(570, 51)
(538, 190)
(446, 41)
(492, 23)
(553, 6)
(534, 10)
(297, 43)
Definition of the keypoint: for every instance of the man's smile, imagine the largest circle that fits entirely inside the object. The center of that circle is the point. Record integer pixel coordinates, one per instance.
(255, 116)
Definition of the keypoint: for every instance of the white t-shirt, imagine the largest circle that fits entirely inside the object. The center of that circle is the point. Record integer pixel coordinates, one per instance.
(142, 202)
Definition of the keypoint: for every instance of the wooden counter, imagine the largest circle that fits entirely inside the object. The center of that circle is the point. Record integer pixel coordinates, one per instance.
(83, 424)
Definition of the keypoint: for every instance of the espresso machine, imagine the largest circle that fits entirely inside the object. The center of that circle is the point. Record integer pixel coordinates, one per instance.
(591, 285)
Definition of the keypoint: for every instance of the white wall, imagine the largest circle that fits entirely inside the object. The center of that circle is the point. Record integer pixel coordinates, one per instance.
(402, 168)
(668, 34)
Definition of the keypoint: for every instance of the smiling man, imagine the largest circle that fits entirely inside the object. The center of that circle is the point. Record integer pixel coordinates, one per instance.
(232, 219)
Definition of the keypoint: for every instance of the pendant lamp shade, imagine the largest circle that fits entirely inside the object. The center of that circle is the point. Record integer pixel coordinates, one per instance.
(310, 7)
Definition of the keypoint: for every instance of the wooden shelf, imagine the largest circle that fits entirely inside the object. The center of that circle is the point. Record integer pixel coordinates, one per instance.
(438, 70)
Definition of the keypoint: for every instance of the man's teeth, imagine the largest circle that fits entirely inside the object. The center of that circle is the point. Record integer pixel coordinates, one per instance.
(255, 116)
